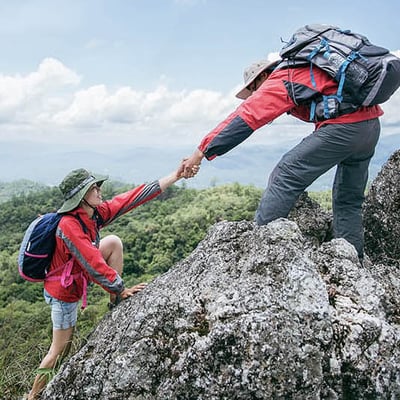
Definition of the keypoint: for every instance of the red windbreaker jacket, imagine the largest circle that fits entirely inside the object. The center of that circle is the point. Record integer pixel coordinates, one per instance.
(73, 242)
(271, 100)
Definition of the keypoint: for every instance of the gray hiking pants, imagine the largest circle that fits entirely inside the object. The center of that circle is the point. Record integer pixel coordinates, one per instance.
(349, 147)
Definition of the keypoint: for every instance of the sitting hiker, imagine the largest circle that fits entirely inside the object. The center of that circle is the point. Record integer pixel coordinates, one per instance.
(81, 256)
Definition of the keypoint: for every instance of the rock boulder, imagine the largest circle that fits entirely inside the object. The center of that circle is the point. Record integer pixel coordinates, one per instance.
(253, 313)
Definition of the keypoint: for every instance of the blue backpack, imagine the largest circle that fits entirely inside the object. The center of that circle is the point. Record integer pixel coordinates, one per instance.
(38, 246)
(366, 74)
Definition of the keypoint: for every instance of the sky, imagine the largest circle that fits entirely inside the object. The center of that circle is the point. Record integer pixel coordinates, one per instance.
(155, 73)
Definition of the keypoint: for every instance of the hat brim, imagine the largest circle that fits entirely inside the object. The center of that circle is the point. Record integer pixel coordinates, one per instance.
(244, 92)
(75, 200)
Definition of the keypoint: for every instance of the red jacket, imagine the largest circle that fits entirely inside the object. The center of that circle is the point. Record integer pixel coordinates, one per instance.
(73, 241)
(273, 99)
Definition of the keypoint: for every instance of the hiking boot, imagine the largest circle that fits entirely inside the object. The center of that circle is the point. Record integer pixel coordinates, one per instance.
(112, 304)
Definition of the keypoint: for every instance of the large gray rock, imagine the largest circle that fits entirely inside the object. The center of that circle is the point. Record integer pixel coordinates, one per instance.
(314, 222)
(382, 214)
(253, 313)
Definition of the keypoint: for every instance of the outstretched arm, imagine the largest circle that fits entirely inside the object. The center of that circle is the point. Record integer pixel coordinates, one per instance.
(169, 180)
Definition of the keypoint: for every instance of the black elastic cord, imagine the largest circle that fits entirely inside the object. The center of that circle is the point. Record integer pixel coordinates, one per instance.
(93, 208)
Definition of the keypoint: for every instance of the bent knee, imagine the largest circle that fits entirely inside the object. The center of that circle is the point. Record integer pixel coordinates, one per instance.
(112, 241)
(111, 245)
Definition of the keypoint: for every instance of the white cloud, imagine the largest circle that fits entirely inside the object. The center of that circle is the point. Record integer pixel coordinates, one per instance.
(22, 95)
(157, 110)
(273, 56)
(391, 107)
(49, 104)
(199, 105)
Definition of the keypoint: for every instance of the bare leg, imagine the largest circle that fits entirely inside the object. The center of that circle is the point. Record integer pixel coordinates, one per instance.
(111, 248)
(59, 348)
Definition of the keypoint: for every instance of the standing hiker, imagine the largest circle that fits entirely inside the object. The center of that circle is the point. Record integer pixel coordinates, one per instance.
(347, 142)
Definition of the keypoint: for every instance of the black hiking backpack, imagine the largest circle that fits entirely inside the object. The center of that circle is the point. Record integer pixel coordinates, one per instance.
(366, 74)
(38, 245)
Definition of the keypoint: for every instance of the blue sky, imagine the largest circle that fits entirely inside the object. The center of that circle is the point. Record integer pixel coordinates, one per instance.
(189, 43)
(154, 72)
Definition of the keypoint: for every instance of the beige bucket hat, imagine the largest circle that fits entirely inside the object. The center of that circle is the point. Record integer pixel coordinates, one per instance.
(251, 73)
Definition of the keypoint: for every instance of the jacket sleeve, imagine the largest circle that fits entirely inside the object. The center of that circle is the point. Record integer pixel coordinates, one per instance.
(263, 106)
(121, 204)
(78, 244)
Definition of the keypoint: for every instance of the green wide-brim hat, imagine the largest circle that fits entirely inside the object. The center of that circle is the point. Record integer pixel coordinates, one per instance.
(75, 186)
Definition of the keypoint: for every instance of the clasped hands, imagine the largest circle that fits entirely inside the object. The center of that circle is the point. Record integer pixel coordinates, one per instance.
(190, 166)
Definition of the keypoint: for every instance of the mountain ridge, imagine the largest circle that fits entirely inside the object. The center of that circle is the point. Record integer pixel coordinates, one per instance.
(246, 164)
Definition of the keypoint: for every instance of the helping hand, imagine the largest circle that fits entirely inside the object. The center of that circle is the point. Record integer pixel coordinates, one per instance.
(190, 166)
(187, 170)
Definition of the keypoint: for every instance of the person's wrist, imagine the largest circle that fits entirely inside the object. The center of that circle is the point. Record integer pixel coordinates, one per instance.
(199, 156)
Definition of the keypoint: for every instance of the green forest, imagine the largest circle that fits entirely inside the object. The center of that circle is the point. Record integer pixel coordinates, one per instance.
(156, 235)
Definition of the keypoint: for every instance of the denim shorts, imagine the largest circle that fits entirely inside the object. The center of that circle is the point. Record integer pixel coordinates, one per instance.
(63, 315)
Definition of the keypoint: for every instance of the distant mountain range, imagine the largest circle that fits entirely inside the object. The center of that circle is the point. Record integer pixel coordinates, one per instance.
(246, 164)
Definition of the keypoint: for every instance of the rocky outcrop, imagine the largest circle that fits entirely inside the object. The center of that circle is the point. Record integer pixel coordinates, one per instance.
(251, 314)
(273, 312)
(382, 214)
(314, 222)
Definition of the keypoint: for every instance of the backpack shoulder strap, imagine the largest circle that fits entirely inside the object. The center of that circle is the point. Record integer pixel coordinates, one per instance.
(84, 227)
(76, 216)
(99, 222)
